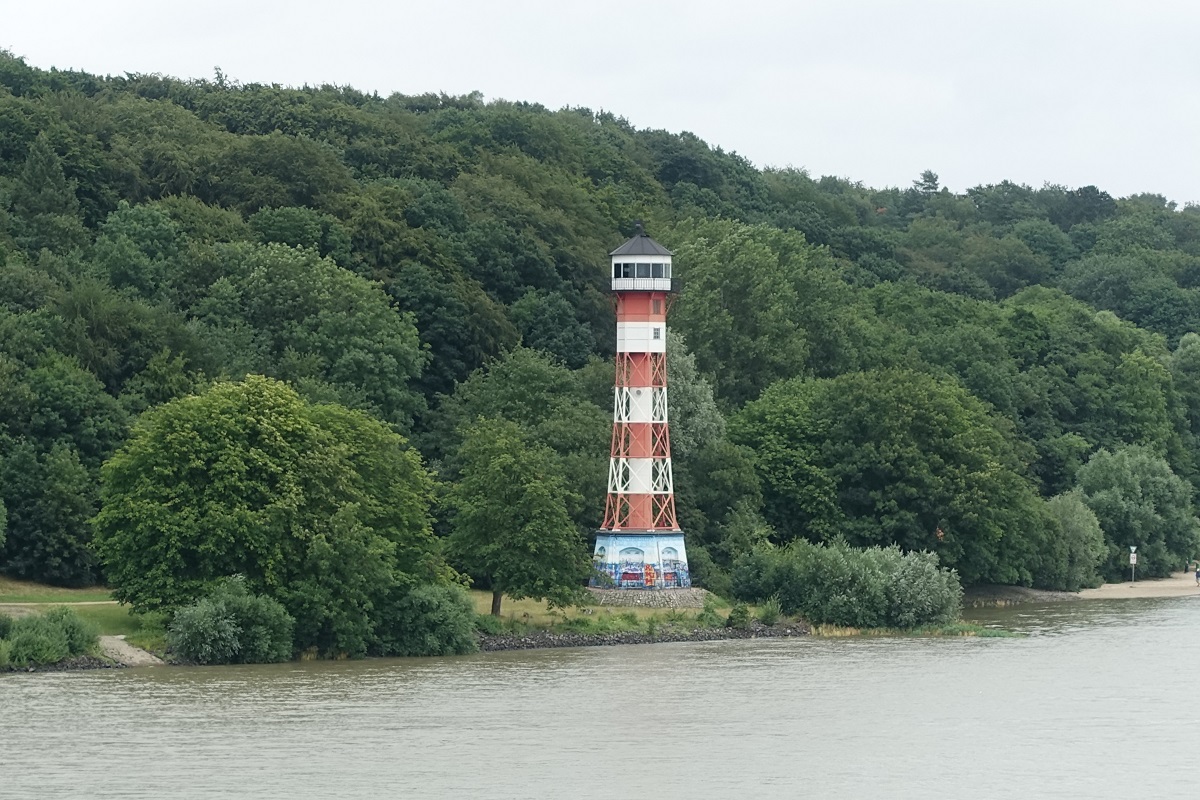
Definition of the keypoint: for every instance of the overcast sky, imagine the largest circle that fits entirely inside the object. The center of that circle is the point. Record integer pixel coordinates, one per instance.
(1058, 91)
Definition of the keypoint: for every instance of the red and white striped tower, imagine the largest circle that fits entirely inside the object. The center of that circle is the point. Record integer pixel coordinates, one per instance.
(640, 544)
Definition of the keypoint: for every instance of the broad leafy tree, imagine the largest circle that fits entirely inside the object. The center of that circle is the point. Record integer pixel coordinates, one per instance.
(893, 457)
(319, 507)
(1141, 503)
(510, 525)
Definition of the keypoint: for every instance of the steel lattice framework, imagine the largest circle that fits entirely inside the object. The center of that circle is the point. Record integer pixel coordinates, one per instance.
(641, 493)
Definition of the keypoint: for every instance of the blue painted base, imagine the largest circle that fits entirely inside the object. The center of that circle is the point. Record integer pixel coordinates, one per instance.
(640, 561)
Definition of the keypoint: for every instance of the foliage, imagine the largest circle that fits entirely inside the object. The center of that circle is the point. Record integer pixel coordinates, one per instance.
(1140, 502)
(739, 616)
(892, 458)
(708, 617)
(837, 584)
(770, 611)
(510, 525)
(1074, 555)
(393, 254)
(232, 626)
(429, 621)
(81, 635)
(51, 497)
(48, 638)
(319, 507)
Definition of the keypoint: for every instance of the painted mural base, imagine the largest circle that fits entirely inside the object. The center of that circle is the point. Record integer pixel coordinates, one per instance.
(646, 560)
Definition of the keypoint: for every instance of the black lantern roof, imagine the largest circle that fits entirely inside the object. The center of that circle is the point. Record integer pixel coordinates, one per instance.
(641, 245)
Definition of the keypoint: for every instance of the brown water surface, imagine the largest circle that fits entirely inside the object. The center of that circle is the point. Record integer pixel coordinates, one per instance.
(1097, 701)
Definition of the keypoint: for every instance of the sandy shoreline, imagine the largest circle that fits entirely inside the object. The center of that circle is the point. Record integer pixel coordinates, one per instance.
(1180, 584)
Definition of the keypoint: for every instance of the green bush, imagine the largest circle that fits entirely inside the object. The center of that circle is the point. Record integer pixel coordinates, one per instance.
(486, 623)
(840, 585)
(205, 633)
(81, 634)
(769, 611)
(709, 618)
(232, 626)
(5, 647)
(6, 623)
(429, 620)
(36, 640)
(739, 616)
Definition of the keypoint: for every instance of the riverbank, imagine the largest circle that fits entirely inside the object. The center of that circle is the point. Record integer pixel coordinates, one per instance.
(1180, 584)
(537, 639)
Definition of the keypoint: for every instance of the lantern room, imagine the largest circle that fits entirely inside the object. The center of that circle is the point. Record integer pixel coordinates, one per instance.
(641, 265)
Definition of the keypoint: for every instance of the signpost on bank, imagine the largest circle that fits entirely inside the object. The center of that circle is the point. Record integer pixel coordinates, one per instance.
(1133, 563)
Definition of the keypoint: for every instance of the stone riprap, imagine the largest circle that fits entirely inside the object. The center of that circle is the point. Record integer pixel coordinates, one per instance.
(649, 598)
(533, 640)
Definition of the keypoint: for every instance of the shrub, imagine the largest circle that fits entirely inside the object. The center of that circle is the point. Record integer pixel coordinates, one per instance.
(836, 584)
(232, 626)
(709, 618)
(486, 623)
(205, 633)
(81, 634)
(739, 616)
(769, 611)
(429, 620)
(6, 623)
(5, 647)
(36, 640)
(266, 628)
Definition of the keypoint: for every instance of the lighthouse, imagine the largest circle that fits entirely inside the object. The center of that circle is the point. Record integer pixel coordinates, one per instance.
(640, 545)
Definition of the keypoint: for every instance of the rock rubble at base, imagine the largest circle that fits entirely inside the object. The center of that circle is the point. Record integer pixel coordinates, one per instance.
(545, 639)
(649, 598)
(72, 664)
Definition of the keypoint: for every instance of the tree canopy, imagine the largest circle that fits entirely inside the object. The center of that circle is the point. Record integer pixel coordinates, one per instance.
(320, 507)
(428, 260)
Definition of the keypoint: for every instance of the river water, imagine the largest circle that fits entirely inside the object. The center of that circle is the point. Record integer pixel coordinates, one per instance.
(1098, 700)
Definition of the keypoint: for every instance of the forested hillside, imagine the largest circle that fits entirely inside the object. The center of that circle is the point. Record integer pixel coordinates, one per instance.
(1009, 377)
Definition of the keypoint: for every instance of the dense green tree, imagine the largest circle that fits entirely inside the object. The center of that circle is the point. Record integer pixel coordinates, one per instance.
(1073, 555)
(892, 457)
(1141, 503)
(547, 323)
(551, 407)
(510, 525)
(321, 508)
(45, 207)
(50, 497)
(292, 314)
(739, 304)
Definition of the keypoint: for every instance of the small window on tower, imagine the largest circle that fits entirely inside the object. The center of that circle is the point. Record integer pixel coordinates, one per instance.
(616, 270)
(666, 270)
(627, 270)
(643, 270)
(658, 333)
(656, 270)
(656, 306)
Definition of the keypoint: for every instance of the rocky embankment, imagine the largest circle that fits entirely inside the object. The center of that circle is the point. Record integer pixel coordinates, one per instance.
(532, 640)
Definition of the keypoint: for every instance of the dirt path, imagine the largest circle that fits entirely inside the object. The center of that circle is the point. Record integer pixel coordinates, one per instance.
(122, 652)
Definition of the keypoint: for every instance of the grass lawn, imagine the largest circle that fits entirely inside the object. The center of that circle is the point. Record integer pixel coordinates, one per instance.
(140, 630)
(13, 591)
(536, 614)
